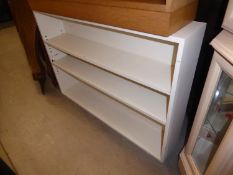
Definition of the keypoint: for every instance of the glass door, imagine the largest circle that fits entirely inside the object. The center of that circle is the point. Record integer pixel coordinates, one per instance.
(209, 148)
(216, 123)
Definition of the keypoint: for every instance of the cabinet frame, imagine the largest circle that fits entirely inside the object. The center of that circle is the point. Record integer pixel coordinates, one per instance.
(223, 154)
(183, 60)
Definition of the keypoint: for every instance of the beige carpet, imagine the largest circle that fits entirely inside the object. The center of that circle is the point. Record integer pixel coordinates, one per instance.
(50, 135)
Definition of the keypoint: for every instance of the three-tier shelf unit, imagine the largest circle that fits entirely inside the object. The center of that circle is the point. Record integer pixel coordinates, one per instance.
(137, 83)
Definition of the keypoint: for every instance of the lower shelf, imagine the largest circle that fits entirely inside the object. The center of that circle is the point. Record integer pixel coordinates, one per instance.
(143, 132)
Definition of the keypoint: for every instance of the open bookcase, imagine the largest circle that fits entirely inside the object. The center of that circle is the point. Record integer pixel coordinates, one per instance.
(136, 83)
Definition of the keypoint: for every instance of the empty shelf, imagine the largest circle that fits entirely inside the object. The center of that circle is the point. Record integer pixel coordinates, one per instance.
(134, 126)
(145, 71)
(141, 99)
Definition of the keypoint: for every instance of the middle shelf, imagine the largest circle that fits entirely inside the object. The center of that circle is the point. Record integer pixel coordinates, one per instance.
(135, 96)
(143, 132)
(149, 72)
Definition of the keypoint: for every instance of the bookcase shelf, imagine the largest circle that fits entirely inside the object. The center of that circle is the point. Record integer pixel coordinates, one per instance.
(127, 122)
(141, 99)
(151, 73)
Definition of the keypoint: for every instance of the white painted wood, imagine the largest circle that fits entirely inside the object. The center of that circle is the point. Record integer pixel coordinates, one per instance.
(146, 101)
(49, 27)
(141, 46)
(143, 132)
(146, 71)
(133, 58)
(182, 82)
(65, 81)
(178, 37)
(228, 19)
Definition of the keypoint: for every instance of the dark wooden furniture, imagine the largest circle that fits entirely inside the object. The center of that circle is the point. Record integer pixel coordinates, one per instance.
(31, 39)
(26, 26)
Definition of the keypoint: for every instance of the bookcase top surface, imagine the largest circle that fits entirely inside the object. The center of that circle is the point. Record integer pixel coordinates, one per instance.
(162, 17)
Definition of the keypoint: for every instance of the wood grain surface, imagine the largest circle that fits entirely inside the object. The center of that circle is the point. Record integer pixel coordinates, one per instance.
(142, 15)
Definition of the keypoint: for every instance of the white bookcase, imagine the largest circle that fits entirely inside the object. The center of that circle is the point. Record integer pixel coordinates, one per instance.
(136, 83)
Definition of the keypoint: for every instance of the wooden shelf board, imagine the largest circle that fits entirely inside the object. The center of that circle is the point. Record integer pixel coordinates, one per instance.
(145, 71)
(135, 127)
(139, 98)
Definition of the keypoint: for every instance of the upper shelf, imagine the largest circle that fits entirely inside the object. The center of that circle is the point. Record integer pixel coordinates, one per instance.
(145, 71)
(160, 17)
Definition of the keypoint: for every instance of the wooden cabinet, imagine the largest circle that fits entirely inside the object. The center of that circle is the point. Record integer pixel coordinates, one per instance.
(137, 83)
(32, 42)
(26, 26)
(161, 17)
(209, 147)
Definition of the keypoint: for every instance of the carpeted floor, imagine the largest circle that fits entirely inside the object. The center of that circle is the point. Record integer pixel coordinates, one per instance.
(50, 135)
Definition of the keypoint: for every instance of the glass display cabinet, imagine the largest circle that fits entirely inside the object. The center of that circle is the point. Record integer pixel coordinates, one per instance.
(209, 150)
